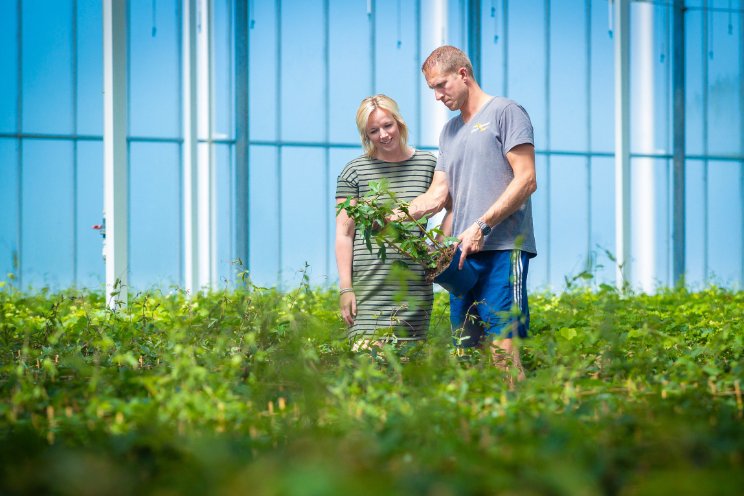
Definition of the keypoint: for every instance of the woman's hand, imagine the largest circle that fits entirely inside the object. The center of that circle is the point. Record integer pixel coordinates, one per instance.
(347, 302)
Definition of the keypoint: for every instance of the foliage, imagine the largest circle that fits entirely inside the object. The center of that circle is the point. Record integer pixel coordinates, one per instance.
(371, 215)
(256, 391)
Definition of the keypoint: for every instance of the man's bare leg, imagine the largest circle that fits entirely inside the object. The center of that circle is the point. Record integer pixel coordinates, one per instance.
(505, 355)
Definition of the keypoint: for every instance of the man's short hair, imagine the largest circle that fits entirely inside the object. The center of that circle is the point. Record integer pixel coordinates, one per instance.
(449, 59)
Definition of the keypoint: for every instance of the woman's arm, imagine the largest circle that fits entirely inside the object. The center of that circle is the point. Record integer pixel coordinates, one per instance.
(344, 256)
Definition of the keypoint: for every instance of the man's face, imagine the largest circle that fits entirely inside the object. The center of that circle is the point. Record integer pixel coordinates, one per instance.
(450, 89)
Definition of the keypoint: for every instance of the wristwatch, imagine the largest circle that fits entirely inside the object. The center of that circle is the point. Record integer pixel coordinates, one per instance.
(485, 228)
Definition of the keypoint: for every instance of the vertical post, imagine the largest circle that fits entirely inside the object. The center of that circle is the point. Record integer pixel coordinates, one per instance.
(115, 156)
(741, 142)
(474, 37)
(203, 167)
(678, 145)
(505, 44)
(190, 147)
(621, 35)
(242, 151)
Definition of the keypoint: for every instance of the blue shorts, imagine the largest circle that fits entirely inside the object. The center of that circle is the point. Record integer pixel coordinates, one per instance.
(497, 304)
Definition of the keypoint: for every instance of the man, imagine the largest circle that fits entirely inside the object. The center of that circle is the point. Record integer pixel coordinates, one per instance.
(486, 165)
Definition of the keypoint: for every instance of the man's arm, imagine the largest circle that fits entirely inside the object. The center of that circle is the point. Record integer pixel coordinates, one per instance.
(522, 161)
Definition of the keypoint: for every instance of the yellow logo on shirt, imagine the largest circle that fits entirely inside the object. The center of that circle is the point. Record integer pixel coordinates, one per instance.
(479, 127)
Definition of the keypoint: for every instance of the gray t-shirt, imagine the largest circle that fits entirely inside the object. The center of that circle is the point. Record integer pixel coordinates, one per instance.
(473, 156)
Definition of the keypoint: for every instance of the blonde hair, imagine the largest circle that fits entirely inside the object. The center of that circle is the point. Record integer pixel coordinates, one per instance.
(369, 105)
(449, 59)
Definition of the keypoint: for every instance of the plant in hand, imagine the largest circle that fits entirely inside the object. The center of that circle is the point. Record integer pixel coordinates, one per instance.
(372, 216)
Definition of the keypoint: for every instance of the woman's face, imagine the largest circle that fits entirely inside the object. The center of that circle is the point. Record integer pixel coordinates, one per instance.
(383, 132)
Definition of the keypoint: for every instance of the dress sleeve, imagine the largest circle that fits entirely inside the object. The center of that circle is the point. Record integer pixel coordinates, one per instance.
(347, 184)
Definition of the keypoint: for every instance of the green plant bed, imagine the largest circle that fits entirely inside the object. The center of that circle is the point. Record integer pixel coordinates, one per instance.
(254, 391)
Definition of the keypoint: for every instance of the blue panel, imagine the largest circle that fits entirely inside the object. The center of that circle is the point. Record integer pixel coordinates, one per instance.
(569, 218)
(223, 74)
(568, 91)
(9, 188)
(154, 70)
(224, 214)
(724, 104)
(397, 73)
(603, 218)
(527, 63)
(304, 216)
(694, 224)
(725, 220)
(90, 68)
(262, 76)
(91, 270)
(538, 271)
(47, 66)
(349, 42)
(339, 157)
(9, 68)
(302, 86)
(154, 215)
(264, 216)
(492, 48)
(47, 214)
(603, 84)
(693, 83)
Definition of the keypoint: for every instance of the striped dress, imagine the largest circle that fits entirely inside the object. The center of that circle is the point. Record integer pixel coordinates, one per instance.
(389, 302)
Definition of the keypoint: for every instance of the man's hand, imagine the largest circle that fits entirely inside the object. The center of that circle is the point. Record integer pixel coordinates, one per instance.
(347, 303)
(470, 241)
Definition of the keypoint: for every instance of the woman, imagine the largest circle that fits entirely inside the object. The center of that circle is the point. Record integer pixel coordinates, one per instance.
(378, 303)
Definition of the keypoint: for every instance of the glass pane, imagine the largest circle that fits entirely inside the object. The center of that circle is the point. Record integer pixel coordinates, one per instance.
(302, 79)
(538, 270)
(91, 270)
(262, 75)
(602, 81)
(224, 215)
(304, 216)
(349, 43)
(264, 215)
(568, 86)
(47, 214)
(154, 69)
(397, 73)
(154, 215)
(650, 223)
(695, 216)
(724, 84)
(725, 223)
(650, 79)
(47, 66)
(223, 74)
(527, 63)
(492, 47)
(569, 218)
(90, 68)
(9, 222)
(9, 68)
(602, 213)
(694, 58)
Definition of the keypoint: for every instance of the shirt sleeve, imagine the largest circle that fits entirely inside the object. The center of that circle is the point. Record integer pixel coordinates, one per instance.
(347, 184)
(442, 156)
(516, 127)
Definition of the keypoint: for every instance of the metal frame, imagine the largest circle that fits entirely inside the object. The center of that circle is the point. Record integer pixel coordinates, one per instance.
(678, 144)
(189, 149)
(621, 34)
(115, 147)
